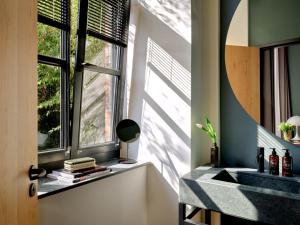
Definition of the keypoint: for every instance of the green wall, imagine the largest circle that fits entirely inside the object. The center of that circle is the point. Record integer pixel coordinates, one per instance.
(273, 21)
(294, 72)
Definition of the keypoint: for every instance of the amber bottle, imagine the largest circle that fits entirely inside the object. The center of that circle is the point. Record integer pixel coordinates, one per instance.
(274, 163)
(287, 164)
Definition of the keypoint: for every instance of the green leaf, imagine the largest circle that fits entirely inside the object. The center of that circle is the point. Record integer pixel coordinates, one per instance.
(210, 131)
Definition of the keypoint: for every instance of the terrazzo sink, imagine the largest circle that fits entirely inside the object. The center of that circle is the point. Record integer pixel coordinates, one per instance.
(243, 193)
(259, 180)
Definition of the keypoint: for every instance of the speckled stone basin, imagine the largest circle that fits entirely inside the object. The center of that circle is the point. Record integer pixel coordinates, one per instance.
(243, 193)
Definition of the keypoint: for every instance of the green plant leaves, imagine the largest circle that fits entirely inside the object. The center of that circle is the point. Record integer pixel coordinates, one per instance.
(208, 128)
(286, 127)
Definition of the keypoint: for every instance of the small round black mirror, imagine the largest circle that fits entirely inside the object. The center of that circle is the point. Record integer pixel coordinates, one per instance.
(128, 131)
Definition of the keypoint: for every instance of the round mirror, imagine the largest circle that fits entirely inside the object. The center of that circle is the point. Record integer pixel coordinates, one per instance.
(262, 57)
(128, 130)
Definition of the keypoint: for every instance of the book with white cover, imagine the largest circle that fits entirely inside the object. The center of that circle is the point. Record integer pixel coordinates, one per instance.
(64, 179)
(79, 160)
(73, 168)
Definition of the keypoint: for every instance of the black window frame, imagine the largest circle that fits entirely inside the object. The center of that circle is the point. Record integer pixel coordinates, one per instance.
(110, 150)
(61, 153)
(71, 124)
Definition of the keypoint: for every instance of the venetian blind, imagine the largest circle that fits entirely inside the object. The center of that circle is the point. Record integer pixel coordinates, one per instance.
(54, 13)
(109, 20)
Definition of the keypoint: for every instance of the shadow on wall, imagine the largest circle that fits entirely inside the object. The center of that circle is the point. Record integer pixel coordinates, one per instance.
(160, 87)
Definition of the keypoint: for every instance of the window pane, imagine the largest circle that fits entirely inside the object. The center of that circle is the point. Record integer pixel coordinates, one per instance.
(48, 107)
(48, 40)
(96, 123)
(101, 53)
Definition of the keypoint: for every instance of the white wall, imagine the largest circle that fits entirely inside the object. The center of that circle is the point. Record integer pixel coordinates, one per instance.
(158, 98)
(137, 197)
(205, 76)
(162, 201)
(167, 95)
(172, 83)
(117, 200)
(160, 85)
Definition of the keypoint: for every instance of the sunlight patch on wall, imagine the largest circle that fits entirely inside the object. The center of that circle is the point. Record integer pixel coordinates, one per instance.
(166, 115)
(161, 145)
(168, 102)
(168, 85)
(167, 66)
(134, 17)
(175, 14)
(129, 66)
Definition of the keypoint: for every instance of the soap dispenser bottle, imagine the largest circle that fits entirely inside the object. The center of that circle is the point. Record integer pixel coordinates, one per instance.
(287, 164)
(260, 158)
(274, 163)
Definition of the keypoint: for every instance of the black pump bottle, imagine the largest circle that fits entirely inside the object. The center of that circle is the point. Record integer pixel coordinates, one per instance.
(260, 158)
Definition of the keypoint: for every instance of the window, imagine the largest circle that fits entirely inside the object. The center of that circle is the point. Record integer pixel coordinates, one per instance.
(80, 53)
(49, 105)
(102, 36)
(53, 74)
(97, 109)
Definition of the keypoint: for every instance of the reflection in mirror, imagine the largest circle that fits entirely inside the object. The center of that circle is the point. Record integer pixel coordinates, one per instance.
(128, 131)
(262, 55)
(280, 93)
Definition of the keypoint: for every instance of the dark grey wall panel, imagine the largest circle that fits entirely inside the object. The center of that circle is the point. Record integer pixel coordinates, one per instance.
(273, 21)
(239, 133)
(294, 71)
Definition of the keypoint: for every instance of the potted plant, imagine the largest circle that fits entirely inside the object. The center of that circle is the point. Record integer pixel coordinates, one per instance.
(212, 134)
(286, 129)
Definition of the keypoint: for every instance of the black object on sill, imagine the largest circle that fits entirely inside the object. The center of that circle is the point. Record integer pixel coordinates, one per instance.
(128, 131)
(260, 158)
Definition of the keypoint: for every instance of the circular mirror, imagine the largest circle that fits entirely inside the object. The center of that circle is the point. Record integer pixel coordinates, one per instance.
(128, 130)
(262, 57)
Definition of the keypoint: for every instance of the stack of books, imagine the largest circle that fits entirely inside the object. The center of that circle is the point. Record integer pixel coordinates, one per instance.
(79, 170)
(79, 164)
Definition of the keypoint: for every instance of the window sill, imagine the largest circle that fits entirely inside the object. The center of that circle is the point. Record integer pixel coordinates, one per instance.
(48, 187)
